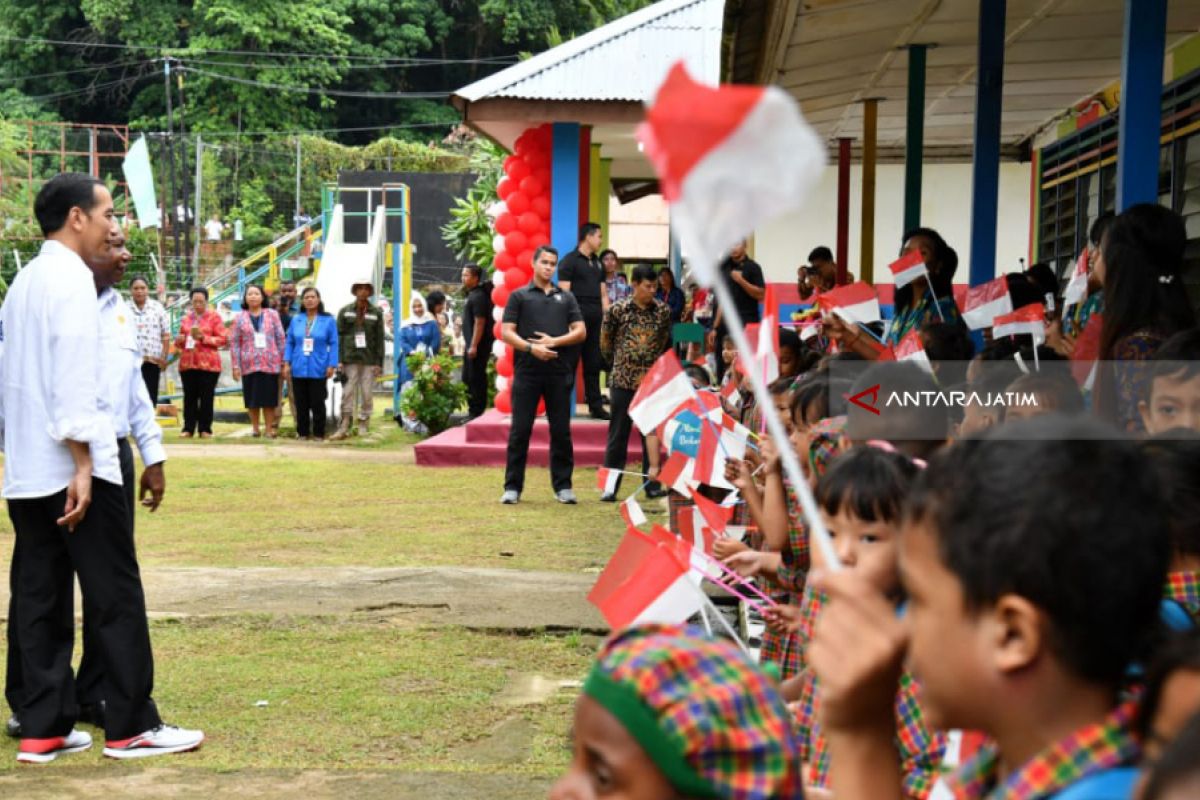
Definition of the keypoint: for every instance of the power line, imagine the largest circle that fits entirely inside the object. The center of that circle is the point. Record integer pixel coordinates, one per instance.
(396, 126)
(328, 92)
(399, 63)
(89, 89)
(184, 52)
(94, 68)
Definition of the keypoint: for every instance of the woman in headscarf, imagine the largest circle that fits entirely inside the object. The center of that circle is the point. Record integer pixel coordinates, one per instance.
(419, 332)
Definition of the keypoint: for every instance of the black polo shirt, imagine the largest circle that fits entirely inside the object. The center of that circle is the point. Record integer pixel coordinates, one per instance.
(478, 311)
(746, 305)
(551, 313)
(585, 274)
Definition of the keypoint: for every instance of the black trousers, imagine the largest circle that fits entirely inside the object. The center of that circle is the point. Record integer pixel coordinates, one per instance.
(150, 374)
(199, 386)
(619, 428)
(474, 375)
(310, 403)
(528, 387)
(46, 558)
(593, 318)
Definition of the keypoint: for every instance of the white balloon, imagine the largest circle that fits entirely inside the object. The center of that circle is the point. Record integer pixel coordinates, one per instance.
(501, 383)
(498, 277)
(498, 348)
(497, 313)
(497, 208)
(497, 244)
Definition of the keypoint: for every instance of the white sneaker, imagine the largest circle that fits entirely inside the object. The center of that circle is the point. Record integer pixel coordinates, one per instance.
(43, 751)
(160, 741)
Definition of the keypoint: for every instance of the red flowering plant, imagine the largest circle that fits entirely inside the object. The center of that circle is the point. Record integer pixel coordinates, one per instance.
(433, 394)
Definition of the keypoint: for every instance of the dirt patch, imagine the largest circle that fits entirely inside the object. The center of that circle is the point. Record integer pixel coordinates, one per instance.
(65, 783)
(510, 742)
(314, 451)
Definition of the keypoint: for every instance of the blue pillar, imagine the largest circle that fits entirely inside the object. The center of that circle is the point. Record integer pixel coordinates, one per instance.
(1140, 121)
(397, 318)
(564, 194)
(985, 183)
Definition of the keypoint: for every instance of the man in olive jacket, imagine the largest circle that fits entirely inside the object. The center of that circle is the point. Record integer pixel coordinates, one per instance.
(360, 357)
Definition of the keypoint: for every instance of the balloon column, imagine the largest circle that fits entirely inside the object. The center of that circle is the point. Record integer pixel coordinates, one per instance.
(522, 226)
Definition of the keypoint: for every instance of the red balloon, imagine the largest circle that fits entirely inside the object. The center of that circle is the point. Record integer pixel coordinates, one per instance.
(529, 223)
(515, 242)
(506, 223)
(515, 278)
(540, 205)
(541, 174)
(505, 187)
(526, 257)
(523, 144)
(516, 168)
(504, 402)
(498, 330)
(538, 239)
(500, 295)
(504, 364)
(503, 261)
(530, 187)
(518, 203)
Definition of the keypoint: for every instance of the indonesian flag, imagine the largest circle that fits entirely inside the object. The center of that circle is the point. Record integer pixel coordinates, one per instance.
(664, 388)
(729, 160)
(715, 516)
(1076, 289)
(1085, 356)
(730, 393)
(676, 474)
(854, 303)
(695, 530)
(646, 581)
(701, 563)
(911, 348)
(985, 302)
(907, 269)
(1030, 319)
(766, 352)
(606, 480)
(721, 439)
(632, 513)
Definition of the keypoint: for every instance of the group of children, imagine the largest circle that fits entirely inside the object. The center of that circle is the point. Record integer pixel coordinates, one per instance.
(1014, 612)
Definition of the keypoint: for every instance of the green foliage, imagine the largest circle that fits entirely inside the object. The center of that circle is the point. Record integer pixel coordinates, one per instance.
(469, 232)
(257, 213)
(433, 394)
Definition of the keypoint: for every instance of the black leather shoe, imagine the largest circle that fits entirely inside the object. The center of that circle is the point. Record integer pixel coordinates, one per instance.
(92, 714)
(608, 497)
(600, 413)
(655, 491)
(13, 727)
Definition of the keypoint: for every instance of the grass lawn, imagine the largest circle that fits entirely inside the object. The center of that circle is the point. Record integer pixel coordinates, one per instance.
(360, 694)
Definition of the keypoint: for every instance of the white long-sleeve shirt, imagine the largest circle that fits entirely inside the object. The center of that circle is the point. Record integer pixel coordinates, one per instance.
(124, 394)
(50, 382)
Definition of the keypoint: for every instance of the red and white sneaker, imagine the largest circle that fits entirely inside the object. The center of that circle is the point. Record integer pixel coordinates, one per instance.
(160, 741)
(43, 751)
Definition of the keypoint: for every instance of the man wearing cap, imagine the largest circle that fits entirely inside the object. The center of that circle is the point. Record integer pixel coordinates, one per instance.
(360, 359)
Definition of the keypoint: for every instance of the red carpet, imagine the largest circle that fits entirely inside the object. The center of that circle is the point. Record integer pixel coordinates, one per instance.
(483, 443)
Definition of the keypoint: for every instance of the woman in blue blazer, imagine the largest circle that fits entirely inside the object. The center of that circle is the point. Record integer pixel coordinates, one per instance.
(311, 354)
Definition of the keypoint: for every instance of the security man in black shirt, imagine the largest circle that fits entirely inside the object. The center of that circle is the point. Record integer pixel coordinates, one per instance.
(581, 274)
(477, 333)
(539, 321)
(748, 287)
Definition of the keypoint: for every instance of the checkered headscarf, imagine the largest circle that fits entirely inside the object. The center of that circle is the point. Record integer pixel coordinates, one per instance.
(702, 711)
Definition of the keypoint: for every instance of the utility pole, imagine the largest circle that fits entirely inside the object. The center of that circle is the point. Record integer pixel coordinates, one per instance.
(171, 178)
(183, 183)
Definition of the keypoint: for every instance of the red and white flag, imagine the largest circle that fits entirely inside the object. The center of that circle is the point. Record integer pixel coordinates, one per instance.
(694, 530)
(664, 388)
(722, 439)
(632, 513)
(648, 583)
(1085, 356)
(985, 302)
(854, 303)
(907, 269)
(766, 350)
(677, 473)
(704, 140)
(1076, 290)
(1030, 319)
(911, 348)
(730, 394)
(606, 480)
(715, 515)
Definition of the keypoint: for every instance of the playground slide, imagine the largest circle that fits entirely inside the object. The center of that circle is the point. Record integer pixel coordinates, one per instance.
(344, 264)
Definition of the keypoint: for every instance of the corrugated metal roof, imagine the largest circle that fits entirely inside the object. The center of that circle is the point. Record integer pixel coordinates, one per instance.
(624, 60)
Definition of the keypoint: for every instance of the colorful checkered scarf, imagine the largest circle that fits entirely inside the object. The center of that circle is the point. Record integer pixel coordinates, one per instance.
(921, 750)
(703, 712)
(1089, 750)
(1184, 588)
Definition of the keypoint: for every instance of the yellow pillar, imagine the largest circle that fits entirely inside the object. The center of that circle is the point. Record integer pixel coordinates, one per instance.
(598, 190)
(870, 125)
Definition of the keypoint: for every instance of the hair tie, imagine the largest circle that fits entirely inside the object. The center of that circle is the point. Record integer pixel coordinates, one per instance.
(888, 447)
(1166, 278)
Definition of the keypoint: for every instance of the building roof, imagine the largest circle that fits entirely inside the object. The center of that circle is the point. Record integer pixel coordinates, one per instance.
(831, 55)
(624, 60)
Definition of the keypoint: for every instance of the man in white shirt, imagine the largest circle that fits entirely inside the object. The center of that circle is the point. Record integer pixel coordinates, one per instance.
(63, 483)
(213, 229)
